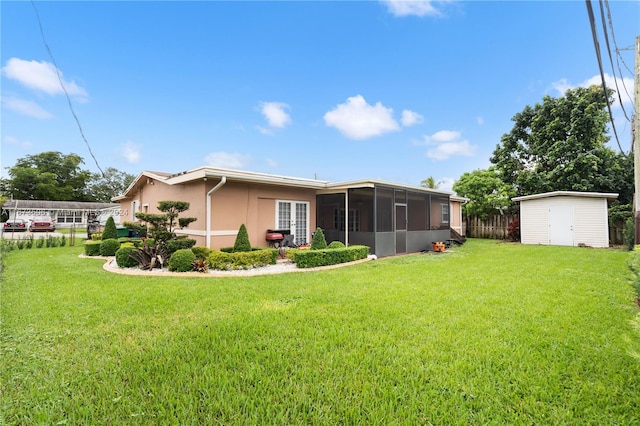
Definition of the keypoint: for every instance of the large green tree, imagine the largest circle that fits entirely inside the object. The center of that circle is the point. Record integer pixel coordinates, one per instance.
(53, 176)
(104, 187)
(561, 145)
(486, 191)
(50, 176)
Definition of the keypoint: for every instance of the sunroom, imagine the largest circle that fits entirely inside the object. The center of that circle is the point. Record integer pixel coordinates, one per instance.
(391, 219)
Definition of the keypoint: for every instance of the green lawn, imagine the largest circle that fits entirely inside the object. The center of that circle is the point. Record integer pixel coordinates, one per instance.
(493, 333)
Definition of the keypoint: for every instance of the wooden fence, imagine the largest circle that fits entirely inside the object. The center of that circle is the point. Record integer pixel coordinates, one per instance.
(495, 227)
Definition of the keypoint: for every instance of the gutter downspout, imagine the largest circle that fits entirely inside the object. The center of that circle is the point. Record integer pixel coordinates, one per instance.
(223, 180)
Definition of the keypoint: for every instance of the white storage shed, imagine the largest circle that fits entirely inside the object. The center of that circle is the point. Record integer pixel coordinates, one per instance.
(565, 218)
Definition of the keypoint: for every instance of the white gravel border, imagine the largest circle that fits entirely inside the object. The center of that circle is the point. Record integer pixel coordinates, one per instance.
(283, 266)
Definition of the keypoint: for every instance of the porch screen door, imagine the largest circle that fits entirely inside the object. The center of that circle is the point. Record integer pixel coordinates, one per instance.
(294, 216)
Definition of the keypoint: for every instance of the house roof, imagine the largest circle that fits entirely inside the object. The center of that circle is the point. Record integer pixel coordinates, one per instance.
(203, 173)
(56, 205)
(608, 196)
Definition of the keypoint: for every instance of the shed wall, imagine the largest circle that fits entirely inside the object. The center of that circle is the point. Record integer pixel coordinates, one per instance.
(590, 222)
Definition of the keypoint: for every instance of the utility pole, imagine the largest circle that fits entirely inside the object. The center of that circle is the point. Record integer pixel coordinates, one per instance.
(636, 139)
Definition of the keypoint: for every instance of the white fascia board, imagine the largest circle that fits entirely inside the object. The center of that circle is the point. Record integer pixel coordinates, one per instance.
(609, 196)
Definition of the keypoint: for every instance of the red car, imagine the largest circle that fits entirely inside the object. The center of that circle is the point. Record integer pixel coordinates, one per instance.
(42, 224)
(17, 225)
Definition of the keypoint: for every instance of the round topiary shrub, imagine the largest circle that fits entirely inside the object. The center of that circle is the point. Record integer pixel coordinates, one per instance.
(124, 259)
(109, 247)
(110, 230)
(318, 242)
(182, 261)
(336, 245)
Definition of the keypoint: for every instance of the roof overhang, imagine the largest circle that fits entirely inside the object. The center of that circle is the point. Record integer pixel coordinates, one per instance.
(608, 196)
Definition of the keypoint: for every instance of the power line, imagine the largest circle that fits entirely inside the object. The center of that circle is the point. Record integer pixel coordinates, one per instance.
(592, 21)
(64, 89)
(613, 70)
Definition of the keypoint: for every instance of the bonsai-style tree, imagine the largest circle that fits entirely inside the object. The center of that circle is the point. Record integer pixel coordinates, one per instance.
(318, 242)
(161, 228)
(242, 240)
(110, 230)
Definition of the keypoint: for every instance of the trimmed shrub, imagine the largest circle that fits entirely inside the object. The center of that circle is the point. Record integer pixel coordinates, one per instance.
(124, 259)
(242, 260)
(336, 245)
(63, 241)
(96, 236)
(629, 234)
(109, 247)
(110, 230)
(39, 242)
(180, 244)
(314, 258)
(182, 260)
(318, 242)
(242, 240)
(92, 248)
(201, 252)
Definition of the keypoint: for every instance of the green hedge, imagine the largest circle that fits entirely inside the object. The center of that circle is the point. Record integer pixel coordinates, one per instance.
(314, 258)
(242, 260)
(634, 265)
(109, 247)
(92, 248)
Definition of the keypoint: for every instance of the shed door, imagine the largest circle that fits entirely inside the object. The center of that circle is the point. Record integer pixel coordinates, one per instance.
(561, 225)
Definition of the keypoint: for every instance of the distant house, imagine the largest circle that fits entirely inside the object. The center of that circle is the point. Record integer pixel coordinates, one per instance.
(565, 218)
(389, 218)
(63, 213)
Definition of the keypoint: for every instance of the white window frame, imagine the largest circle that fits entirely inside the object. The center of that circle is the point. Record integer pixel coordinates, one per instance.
(445, 213)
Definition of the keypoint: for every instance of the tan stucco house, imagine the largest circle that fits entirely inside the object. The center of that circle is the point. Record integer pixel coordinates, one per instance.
(389, 218)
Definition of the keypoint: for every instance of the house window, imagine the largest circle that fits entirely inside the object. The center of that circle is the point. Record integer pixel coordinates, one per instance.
(135, 207)
(69, 217)
(445, 213)
(354, 219)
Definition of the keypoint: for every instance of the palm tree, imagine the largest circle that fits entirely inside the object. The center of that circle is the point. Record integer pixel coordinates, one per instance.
(430, 182)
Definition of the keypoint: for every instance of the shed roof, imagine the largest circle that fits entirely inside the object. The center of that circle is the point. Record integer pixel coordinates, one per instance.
(608, 196)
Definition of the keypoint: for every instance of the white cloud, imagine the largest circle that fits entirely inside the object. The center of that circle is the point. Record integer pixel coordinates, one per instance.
(25, 107)
(446, 183)
(271, 162)
(449, 149)
(276, 114)
(411, 7)
(10, 140)
(130, 152)
(227, 160)
(409, 118)
(358, 120)
(444, 136)
(562, 85)
(446, 144)
(41, 76)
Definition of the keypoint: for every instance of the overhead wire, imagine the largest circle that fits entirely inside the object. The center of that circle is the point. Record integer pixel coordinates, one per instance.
(64, 89)
(619, 57)
(613, 69)
(596, 44)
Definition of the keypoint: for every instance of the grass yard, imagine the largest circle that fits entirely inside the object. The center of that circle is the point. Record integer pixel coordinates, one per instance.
(490, 334)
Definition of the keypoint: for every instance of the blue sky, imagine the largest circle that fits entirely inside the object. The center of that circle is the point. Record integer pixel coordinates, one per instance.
(397, 91)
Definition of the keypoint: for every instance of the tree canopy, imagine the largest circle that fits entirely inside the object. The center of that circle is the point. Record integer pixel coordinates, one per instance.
(487, 193)
(53, 176)
(560, 145)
